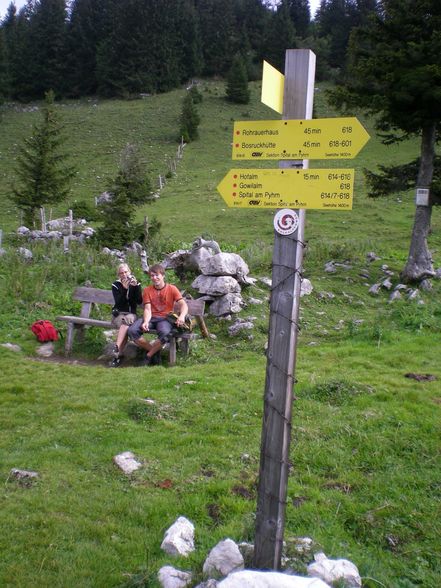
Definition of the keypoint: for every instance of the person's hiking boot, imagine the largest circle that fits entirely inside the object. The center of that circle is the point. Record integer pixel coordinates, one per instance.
(116, 362)
(154, 359)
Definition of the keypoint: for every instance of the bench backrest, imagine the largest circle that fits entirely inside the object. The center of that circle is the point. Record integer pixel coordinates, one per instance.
(90, 296)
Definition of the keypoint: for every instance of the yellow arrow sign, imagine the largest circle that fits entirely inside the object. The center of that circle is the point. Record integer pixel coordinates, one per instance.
(320, 138)
(288, 188)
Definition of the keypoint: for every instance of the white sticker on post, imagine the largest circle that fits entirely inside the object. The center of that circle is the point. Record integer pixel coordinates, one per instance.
(286, 221)
(422, 197)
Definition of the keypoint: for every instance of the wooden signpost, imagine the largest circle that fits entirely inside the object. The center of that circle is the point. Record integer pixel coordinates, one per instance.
(291, 188)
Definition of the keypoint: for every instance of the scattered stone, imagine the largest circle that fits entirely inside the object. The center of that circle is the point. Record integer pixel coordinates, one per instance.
(179, 538)
(46, 350)
(335, 570)
(426, 285)
(23, 231)
(400, 287)
(306, 287)
(375, 289)
(396, 295)
(330, 267)
(223, 559)
(413, 294)
(326, 295)
(268, 282)
(252, 579)
(252, 300)
(371, 256)
(364, 274)
(170, 577)
(420, 377)
(387, 284)
(238, 326)
(126, 462)
(438, 274)
(11, 347)
(25, 253)
(23, 474)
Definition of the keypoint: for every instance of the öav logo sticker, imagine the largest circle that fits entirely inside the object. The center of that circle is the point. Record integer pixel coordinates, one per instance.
(286, 221)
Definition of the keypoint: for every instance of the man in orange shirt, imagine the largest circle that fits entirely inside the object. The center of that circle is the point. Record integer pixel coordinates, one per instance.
(159, 300)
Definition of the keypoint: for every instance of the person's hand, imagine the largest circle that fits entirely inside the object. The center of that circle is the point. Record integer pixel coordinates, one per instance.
(145, 326)
(180, 321)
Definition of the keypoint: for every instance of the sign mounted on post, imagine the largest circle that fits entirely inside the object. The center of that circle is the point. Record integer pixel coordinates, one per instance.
(286, 221)
(322, 138)
(288, 188)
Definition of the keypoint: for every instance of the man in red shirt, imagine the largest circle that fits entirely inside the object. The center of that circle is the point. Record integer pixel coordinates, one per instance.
(159, 300)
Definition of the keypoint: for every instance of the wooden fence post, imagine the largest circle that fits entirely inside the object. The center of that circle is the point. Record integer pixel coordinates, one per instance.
(282, 343)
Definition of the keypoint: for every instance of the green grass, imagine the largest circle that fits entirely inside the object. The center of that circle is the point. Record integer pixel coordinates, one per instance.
(365, 448)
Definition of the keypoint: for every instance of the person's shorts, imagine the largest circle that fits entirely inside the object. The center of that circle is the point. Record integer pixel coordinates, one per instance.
(160, 324)
(124, 318)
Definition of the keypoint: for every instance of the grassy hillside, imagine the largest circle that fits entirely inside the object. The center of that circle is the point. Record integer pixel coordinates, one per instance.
(365, 452)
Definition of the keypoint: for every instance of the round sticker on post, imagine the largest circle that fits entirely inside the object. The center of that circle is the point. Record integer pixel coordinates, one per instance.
(286, 221)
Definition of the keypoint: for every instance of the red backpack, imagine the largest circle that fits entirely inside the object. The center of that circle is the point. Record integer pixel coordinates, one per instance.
(44, 331)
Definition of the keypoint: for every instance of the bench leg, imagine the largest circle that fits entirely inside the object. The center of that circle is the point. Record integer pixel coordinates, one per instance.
(69, 339)
(172, 351)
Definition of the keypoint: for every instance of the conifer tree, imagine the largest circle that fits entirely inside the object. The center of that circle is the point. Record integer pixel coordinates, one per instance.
(237, 82)
(131, 188)
(48, 36)
(42, 170)
(190, 119)
(395, 75)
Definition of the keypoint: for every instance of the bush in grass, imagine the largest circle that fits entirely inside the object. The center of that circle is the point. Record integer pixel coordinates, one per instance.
(335, 392)
(142, 411)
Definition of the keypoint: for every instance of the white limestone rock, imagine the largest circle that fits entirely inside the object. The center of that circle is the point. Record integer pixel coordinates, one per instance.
(170, 577)
(126, 462)
(306, 287)
(334, 570)
(252, 579)
(227, 304)
(223, 559)
(225, 264)
(216, 285)
(11, 347)
(179, 538)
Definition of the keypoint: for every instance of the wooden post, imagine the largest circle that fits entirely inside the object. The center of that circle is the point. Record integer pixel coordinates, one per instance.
(283, 329)
(70, 223)
(43, 219)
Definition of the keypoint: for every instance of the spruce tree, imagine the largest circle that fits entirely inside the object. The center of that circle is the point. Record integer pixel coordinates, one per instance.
(237, 82)
(395, 75)
(42, 172)
(130, 188)
(189, 119)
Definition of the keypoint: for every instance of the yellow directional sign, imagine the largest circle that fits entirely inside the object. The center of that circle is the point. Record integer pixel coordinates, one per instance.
(320, 138)
(288, 188)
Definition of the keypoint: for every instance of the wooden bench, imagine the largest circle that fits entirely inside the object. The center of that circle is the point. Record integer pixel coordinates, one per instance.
(90, 297)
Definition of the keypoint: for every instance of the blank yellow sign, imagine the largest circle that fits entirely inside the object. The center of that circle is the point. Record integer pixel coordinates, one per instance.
(273, 83)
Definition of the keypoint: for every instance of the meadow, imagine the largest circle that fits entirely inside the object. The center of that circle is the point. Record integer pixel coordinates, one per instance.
(364, 483)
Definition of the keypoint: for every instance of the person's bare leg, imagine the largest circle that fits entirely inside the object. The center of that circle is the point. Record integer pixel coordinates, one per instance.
(143, 343)
(154, 348)
(121, 339)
